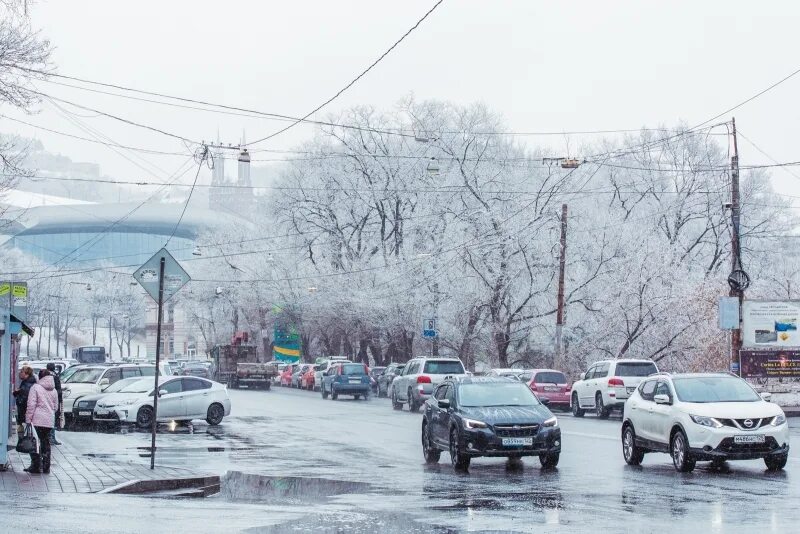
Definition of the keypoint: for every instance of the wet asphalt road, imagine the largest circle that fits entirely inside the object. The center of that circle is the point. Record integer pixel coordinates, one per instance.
(297, 463)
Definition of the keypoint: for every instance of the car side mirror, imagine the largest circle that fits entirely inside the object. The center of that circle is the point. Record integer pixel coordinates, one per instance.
(662, 399)
(104, 383)
(444, 404)
(583, 376)
(766, 396)
(162, 392)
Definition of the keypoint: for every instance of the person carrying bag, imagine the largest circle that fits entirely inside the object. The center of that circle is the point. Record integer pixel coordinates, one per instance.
(41, 413)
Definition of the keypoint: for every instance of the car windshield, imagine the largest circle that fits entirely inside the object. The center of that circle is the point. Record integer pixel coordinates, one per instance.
(636, 369)
(120, 384)
(68, 372)
(444, 367)
(496, 394)
(551, 377)
(714, 389)
(353, 369)
(85, 376)
(142, 385)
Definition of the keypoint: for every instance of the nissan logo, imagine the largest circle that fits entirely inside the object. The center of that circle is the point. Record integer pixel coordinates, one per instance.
(748, 423)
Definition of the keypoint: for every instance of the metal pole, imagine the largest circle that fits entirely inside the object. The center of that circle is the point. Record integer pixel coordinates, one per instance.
(158, 358)
(435, 340)
(736, 250)
(5, 387)
(561, 267)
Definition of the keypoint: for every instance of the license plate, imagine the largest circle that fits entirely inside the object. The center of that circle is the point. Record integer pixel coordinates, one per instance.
(355, 380)
(552, 388)
(98, 412)
(517, 442)
(84, 413)
(757, 438)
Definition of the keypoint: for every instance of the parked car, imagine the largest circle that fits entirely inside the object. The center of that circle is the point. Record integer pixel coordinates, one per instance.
(386, 378)
(374, 374)
(607, 385)
(703, 416)
(38, 365)
(286, 374)
(298, 373)
(346, 379)
(307, 380)
(83, 408)
(510, 373)
(196, 369)
(323, 368)
(180, 399)
(419, 377)
(92, 378)
(549, 384)
(488, 416)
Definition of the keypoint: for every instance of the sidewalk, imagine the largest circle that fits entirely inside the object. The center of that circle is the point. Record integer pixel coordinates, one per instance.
(74, 471)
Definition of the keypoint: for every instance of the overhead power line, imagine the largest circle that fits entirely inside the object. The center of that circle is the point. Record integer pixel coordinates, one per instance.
(354, 80)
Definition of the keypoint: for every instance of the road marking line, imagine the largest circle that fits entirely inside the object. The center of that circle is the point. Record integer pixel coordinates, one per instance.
(587, 435)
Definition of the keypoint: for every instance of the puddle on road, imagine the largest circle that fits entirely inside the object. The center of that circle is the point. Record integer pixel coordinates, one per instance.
(239, 486)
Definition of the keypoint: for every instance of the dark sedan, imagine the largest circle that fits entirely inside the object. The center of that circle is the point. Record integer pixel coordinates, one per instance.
(488, 416)
(196, 369)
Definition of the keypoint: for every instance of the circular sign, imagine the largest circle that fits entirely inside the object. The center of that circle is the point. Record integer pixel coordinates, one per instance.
(738, 280)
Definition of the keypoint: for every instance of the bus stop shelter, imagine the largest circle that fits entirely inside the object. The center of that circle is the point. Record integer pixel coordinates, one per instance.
(11, 329)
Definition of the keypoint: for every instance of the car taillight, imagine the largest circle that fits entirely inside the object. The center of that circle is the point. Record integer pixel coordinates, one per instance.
(422, 379)
(569, 387)
(615, 382)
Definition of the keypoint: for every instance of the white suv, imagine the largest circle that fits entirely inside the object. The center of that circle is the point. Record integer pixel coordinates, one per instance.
(419, 377)
(704, 416)
(607, 385)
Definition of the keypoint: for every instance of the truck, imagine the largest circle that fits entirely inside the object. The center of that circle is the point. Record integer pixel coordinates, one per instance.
(237, 365)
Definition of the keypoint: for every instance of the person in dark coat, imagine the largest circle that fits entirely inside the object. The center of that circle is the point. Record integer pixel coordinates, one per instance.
(52, 368)
(27, 380)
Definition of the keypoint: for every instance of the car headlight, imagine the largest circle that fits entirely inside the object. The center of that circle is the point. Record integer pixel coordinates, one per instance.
(778, 420)
(553, 421)
(472, 423)
(706, 421)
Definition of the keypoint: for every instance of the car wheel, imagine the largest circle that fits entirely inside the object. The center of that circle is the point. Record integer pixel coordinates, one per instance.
(549, 460)
(577, 411)
(412, 402)
(215, 414)
(600, 408)
(776, 463)
(324, 393)
(395, 404)
(459, 460)
(144, 418)
(356, 397)
(633, 455)
(679, 449)
(429, 450)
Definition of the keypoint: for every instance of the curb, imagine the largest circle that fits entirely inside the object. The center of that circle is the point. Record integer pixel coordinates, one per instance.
(203, 486)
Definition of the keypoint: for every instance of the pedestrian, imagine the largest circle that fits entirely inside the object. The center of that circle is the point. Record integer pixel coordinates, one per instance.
(52, 368)
(27, 380)
(41, 413)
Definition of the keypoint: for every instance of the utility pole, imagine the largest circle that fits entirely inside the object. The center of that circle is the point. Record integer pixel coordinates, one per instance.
(738, 279)
(561, 267)
(435, 340)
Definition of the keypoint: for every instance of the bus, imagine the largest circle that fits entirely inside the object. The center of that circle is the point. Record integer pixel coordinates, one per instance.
(89, 354)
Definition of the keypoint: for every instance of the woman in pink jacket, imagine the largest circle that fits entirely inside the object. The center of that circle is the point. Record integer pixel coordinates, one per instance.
(41, 413)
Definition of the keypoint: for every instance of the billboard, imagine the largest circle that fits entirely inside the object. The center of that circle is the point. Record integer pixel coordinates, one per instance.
(770, 363)
(770, 324)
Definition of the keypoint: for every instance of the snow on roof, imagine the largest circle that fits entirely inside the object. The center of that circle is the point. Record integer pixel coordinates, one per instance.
(25, 199)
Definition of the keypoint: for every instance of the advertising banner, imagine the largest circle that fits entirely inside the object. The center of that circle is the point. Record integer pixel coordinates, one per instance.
(770, 324)
(770, 363)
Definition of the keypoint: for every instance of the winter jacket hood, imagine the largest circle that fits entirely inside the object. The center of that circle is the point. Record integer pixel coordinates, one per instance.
(48, 383)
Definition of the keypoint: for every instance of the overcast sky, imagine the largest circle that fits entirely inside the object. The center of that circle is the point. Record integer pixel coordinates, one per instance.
(546, 66)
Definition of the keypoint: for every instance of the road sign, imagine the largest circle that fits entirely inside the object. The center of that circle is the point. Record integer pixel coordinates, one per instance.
(19, 300)
(429, 328)
(174, 275)
(729, 313)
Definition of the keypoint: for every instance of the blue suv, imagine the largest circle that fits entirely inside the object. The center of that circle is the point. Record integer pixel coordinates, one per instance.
(346, 379)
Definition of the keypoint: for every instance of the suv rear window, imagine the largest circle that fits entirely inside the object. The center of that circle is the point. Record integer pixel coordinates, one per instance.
(636, 369)
(443, 367)
(353, 369)
(550, 377)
